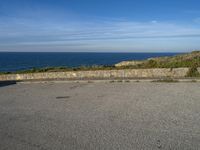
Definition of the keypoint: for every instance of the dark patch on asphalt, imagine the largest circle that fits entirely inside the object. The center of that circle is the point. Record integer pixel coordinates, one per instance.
(73, 87)
(62, 97)
(159, 145)
(101, 96)
(77, 86)
(26, 142)
(7, 83)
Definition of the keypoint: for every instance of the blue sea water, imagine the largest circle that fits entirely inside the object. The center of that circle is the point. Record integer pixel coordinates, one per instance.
(15, 61)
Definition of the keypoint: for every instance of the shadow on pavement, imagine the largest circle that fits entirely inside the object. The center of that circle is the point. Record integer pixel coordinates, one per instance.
(7, 83)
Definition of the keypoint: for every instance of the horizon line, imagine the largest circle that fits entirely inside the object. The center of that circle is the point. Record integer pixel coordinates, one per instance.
(97, 51)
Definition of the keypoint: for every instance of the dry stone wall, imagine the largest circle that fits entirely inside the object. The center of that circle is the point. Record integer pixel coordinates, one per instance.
(100, 74)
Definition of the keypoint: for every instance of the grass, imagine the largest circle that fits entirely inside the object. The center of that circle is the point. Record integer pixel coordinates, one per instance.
(112, 81)
(194, 81)
(60, 69)
(3, 73)
(169, 64)
(178, 61)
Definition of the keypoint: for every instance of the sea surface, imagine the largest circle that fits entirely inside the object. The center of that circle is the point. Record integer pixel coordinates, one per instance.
(15, 61)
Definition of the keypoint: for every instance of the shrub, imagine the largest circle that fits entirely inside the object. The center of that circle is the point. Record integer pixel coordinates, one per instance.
(193, 71)
(151, 64)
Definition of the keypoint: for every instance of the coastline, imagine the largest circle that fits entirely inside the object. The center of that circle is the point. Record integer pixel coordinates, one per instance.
(18, 61)
(179, 66)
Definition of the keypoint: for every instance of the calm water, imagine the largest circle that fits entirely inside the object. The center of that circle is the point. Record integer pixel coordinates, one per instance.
(23, 61)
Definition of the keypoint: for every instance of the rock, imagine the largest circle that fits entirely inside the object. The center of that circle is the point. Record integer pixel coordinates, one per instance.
(128, 63)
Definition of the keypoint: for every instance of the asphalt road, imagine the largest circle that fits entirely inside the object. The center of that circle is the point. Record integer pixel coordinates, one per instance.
(100, 116)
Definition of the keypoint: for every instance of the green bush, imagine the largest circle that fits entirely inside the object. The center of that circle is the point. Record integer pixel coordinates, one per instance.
(193, 71)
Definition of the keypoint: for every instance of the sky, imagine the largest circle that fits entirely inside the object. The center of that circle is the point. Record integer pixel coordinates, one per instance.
(99, 25)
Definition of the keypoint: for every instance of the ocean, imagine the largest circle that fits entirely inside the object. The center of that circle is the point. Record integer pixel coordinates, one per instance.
(15, 61)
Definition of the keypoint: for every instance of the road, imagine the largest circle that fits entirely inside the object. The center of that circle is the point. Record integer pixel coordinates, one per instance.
(100, 116)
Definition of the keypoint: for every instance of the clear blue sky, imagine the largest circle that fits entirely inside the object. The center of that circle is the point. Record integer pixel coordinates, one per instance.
(100, 25)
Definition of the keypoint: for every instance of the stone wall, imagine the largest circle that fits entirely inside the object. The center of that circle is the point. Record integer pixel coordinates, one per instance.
(100, 74)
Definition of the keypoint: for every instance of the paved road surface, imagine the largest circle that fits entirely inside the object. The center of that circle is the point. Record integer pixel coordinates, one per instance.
(102, 116)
